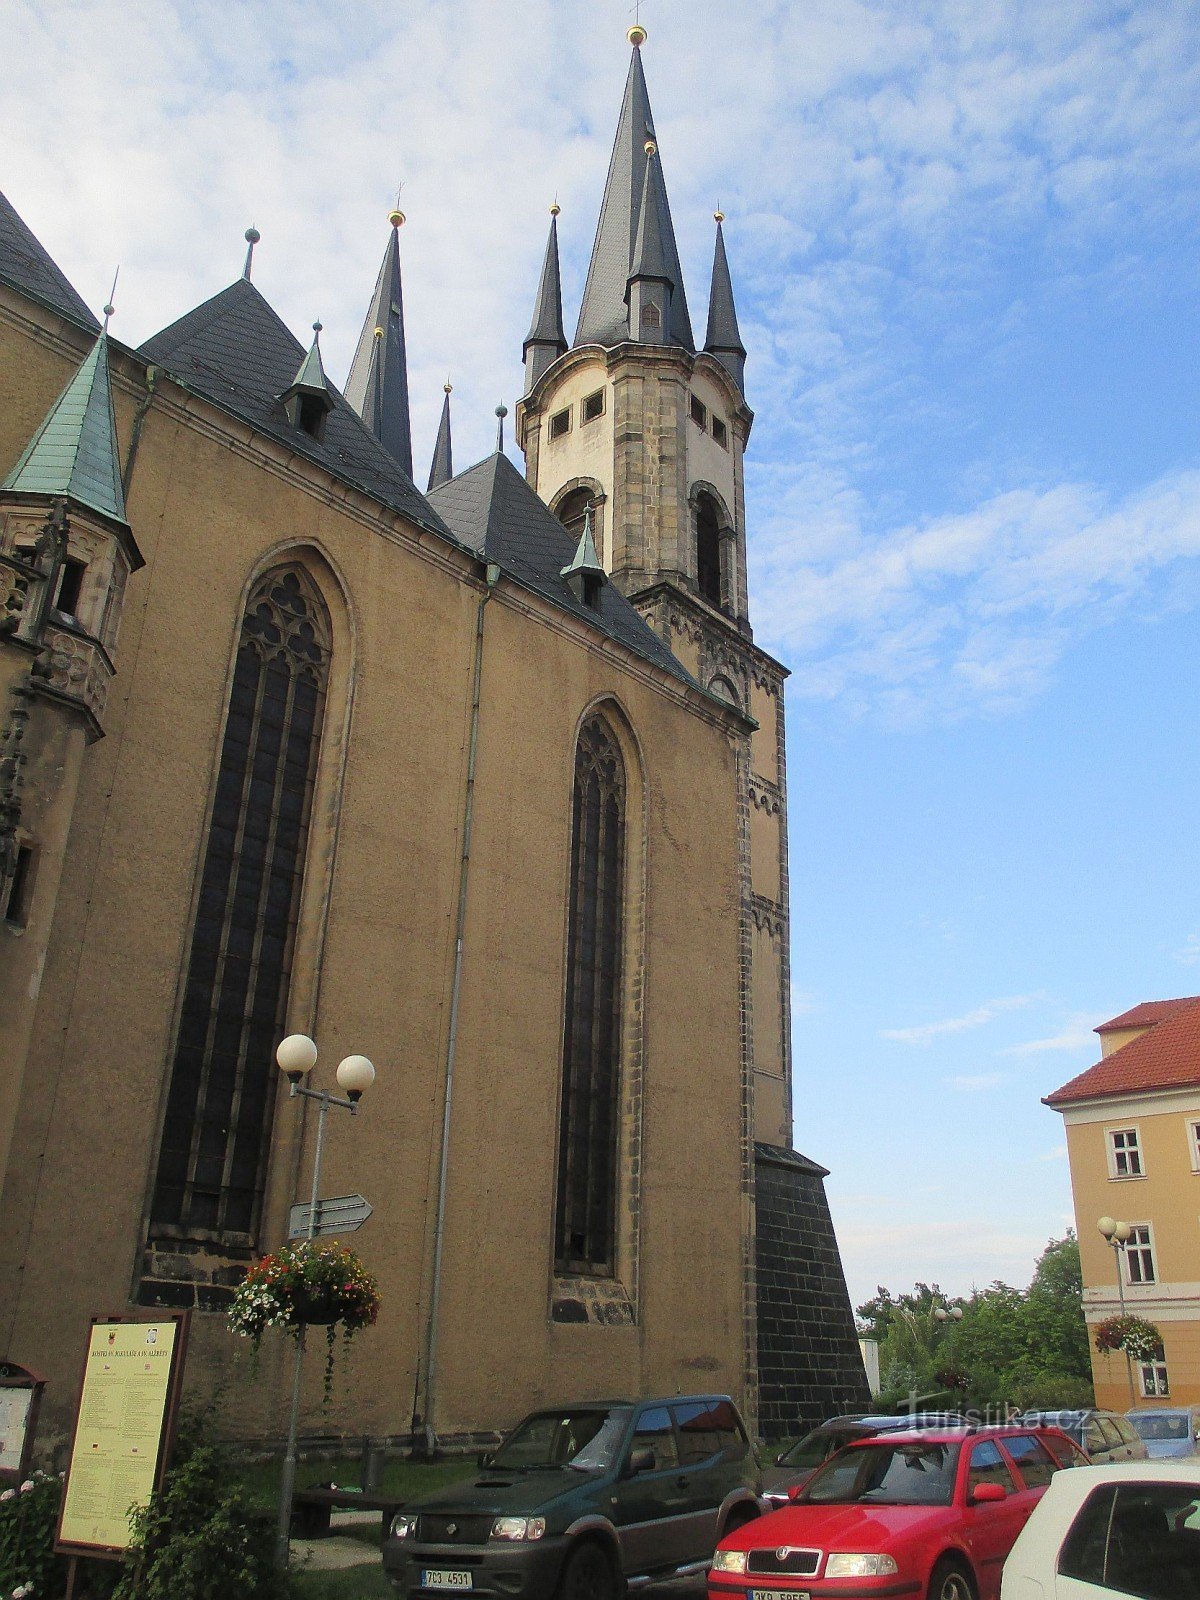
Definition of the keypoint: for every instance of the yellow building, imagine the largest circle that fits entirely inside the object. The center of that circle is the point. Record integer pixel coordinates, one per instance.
(485, 783)
(1133, 1138)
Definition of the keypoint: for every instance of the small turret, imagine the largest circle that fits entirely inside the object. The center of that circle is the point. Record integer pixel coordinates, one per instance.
(723, 339)
(545, 341)
(584, 573)
(377, 386)
(308, 399)
(442, 468)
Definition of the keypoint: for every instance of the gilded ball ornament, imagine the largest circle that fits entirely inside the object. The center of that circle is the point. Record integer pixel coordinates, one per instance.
(396, 218)
(636, 36)
(650, 147)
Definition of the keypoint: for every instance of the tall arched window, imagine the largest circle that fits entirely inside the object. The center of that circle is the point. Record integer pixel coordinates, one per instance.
(571, 512)
(216, 1130)
(585, 1224)
(708, 549)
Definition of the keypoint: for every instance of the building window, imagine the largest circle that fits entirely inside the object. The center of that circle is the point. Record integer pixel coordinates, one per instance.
(585, 1222)
(560, 423)
(708, 549)
(20, 888)
(720, 433)
(1139, 1254)
(699, 413)
(651, 315)
(70, 586)
(572, 512)
(1124, 1153)
(1152, 1376)
(1194, 1144)
(593, 406)
(216, 1128)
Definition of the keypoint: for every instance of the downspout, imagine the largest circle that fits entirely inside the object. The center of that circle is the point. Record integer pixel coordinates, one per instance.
(492, 578)
(139, 417)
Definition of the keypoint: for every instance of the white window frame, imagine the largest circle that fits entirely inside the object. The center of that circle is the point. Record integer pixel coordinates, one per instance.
(1153, 1380)
(1125, 1151)
(1140, 1245)
(1193, 1133)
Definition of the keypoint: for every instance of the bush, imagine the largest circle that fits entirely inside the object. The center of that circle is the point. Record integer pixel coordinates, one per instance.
(28, 1523)
(196, 1540)
(1054, 1391)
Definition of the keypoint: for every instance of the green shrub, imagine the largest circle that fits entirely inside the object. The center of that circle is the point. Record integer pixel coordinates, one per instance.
(196, 1539)
(28, 1522)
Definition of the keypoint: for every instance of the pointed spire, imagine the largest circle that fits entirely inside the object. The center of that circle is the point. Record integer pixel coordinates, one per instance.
(546, 341)
(442, 468)
(74, 452)
(650, 254)
(252, 238)
(723, 339)
(584, 572)
(377, 387)
(308, 399)
(311, 375)
(603, 317)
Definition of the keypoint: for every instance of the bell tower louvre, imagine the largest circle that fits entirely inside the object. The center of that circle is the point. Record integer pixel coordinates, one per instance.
(637, 430)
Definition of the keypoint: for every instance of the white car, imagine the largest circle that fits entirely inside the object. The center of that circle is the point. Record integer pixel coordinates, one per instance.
(1125, 1529)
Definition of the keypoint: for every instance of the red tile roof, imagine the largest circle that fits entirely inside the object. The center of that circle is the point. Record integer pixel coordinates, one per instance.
(1147, 1014)
(1166, 1056)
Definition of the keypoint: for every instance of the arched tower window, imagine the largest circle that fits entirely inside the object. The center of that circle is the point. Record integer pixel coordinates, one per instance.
(216, 1130)
(585, 1224)
(708, 549)
(571, 512)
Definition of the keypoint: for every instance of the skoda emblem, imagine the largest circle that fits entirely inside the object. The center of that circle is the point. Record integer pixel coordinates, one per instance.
(783, 1552)
(451, 1529)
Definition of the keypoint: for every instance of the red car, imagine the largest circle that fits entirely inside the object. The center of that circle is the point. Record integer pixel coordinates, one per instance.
(930, 1514)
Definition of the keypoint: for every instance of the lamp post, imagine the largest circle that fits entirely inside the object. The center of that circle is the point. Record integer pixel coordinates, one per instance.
(951, 1314)
(1117, 1235)
(296, 1056)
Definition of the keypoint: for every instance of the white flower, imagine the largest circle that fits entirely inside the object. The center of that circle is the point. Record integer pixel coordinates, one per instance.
(8, 1494)
(27, 1485)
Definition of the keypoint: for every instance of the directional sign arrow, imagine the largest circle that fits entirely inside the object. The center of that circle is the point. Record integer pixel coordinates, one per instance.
(343, 1214)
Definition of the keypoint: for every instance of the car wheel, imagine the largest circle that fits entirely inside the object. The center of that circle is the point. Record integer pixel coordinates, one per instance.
(950, 1582)
(587, 1575)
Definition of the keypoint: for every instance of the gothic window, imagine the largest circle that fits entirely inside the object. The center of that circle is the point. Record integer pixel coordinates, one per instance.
(216, 1130)
(571, 512)
(708, 549)
(585, 1222)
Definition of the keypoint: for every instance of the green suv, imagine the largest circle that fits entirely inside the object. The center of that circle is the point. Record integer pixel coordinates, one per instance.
(580, 1501)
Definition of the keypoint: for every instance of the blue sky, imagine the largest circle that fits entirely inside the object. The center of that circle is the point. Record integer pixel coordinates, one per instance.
(964, 247)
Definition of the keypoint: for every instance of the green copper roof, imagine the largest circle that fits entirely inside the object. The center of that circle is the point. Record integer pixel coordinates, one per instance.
(74, 452)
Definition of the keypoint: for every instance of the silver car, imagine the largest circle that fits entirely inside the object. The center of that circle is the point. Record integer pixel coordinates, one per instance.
(1103, 1434)
(1167, 1431)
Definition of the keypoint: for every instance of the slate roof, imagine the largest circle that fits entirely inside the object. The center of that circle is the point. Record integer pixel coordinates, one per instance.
(546, 325)
(782, 1156)
(26, 265)
(377, 387)
(74, 452)
(491, 508)
(1166, 1056)
(604, 315)
(236, 352)
(441, 468)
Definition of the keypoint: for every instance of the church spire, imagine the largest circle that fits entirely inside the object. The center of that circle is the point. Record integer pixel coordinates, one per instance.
(545, 341)
(74, 452)
(649, 292)
(442, 467)
(604, 317)
(723, 339)
(377, 386)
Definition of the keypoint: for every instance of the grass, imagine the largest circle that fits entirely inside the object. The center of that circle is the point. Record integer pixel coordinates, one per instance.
(352, 1583)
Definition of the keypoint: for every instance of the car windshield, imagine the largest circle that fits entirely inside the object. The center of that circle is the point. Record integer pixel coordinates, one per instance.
(881, 1474)
(1071, 1422)
(813, 1448)
(584, 1439)
(1157, 1425)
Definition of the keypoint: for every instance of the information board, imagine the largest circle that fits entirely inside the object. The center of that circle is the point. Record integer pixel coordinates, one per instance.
(126, 1411)
(15, 1406)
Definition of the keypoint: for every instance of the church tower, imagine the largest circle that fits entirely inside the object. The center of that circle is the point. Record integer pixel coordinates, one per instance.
(635, 430)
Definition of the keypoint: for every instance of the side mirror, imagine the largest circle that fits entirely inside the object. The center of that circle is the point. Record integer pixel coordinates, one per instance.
(485, 1458)
(796, 1490)
(988, 1494)
(642, 1460)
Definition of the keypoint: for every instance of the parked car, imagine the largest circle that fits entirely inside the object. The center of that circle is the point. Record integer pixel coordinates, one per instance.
(795, 1466)
(1103, 1434)
(930, 1513)
(1132, 1528)
(1166, 1431)
(580, 1500)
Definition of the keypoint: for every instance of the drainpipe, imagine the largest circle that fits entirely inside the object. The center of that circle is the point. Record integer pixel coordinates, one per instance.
(492, 577)
(139, 417)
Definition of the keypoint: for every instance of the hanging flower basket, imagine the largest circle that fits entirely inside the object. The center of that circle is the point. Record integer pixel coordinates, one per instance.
(305, 1285)
(1139, 1339)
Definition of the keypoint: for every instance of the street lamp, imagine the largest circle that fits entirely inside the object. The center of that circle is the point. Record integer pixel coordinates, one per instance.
(953, 1314)
(1117, 1235)
(296, 1056)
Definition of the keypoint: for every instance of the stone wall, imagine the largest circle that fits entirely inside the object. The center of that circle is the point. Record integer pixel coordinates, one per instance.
(809, 1366)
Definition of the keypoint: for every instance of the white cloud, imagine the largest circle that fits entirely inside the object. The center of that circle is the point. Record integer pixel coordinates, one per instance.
(975, 1082)
(1059, 1153)
(924, 1032)
(1189, 955)
(1078, 1033)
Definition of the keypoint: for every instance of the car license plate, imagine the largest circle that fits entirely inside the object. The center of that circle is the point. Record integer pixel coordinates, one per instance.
(780, 1594)
(431, 1578)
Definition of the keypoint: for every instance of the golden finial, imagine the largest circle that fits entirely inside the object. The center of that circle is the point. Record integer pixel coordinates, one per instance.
(379, 333)
(718, 214)
(555, 208)
(397, 218)
(636, 36)
(447, 387)
(650, 147)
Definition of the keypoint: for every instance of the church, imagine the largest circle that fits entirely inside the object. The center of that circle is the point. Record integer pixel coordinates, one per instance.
(485, 782)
